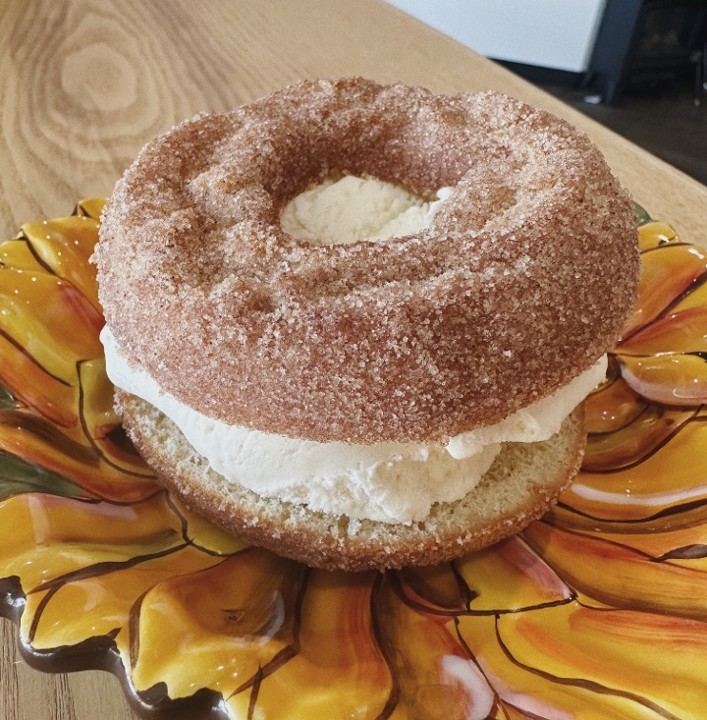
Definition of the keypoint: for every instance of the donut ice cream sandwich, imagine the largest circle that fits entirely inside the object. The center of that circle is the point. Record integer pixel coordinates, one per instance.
(356, 323)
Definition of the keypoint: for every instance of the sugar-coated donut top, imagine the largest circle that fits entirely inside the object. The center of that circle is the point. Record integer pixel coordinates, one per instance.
(522, 280)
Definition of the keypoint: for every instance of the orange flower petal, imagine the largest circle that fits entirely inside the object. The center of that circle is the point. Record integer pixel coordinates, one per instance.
(667, 273)
(338, 670)
(90, 207)
(50, 320)
(679, 332)
(101, 604)
(635, 441)
(655, 234)
(600, 664)
(510, 577)
(638, 582)
(64, 246)
(612, 407)
(434, 675)
(670, 379)
(41, 443)
(220, 627)
(47, 539)
(30, 383)
(668, 478)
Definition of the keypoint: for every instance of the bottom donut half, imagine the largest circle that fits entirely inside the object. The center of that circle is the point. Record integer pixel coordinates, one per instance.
(524, 481)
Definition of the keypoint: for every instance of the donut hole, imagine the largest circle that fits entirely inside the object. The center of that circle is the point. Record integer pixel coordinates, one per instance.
(407, 145)
(347, 209)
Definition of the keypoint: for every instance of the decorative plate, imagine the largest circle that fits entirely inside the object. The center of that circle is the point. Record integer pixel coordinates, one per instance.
(598, 611)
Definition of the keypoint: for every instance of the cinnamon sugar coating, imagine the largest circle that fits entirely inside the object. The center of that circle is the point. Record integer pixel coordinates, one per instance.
(522, 280)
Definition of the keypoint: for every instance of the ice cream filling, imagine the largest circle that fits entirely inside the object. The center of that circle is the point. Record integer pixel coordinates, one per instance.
(353, 208)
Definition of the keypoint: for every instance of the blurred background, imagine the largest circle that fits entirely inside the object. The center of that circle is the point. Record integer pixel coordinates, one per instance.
(636, 66)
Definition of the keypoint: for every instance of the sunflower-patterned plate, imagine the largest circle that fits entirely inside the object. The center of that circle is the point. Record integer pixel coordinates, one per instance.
(598, 611)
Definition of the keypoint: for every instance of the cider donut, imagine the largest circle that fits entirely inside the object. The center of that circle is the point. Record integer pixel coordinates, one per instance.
(417, 339)
(521, 280)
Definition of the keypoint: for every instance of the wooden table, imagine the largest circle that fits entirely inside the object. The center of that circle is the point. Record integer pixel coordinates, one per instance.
(83, 84)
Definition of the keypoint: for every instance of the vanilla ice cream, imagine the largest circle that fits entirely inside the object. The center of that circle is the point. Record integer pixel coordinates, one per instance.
(353, 208)
(388, 482)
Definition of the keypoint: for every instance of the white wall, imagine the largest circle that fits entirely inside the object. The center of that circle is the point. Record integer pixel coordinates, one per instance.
(550, 33)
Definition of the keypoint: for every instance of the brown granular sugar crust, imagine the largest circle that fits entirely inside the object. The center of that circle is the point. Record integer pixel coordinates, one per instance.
(523, 279)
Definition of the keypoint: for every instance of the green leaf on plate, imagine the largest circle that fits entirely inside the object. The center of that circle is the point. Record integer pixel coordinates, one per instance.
(642, 216)
(7, 399)
(18, 476)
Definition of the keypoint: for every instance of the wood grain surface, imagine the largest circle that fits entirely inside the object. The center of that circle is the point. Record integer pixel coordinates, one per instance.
(85, 83)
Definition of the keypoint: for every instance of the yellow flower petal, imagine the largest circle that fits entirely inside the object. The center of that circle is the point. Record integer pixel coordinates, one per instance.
(46, 539)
